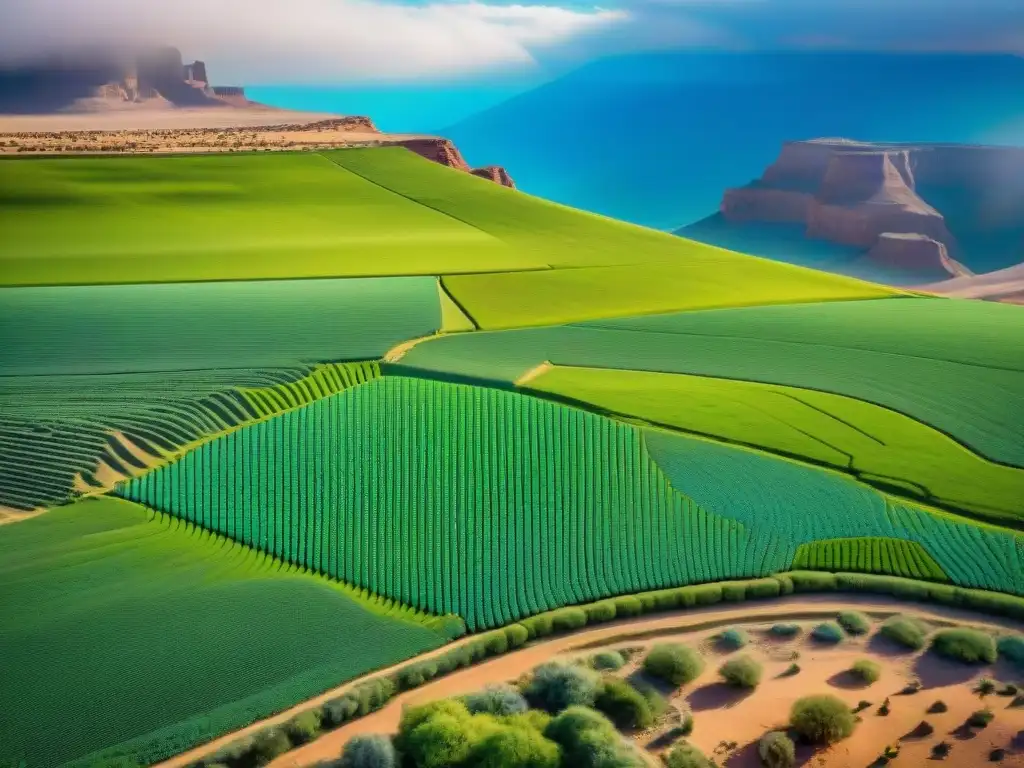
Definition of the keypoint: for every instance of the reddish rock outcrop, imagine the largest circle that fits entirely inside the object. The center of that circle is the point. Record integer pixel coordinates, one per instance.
(443, 151)
(914, 253)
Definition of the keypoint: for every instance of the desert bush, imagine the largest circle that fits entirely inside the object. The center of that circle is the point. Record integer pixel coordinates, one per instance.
(498, 699)
(828, 632)
(625, 706)
(997, 755)
(441, 741)
(732, 639)
(922, 730)
(1011, 648)
(369, 751)
(822, 719)
(742, 672)
(941, 750)
(338, 711)
(685, 755)
(907, 631)
(884, 709)
(303, 728)
(854, 622)
(937, 708)
(985, 687)
(776, 750)
(517, 635)
(867, 670)
(965, 645)
(555, 686)
(568, 619)
(598, 612)
(914, 686)
(785, 630)
(607, 660)
(1008, 689)
(861, 706)
(981, 718)
(792, 669)
(589, 740)
(674, 663)
(506, 747)
(268, 744)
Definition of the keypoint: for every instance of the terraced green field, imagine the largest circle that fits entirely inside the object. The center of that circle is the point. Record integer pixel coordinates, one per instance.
(891, 557)
(62, 436)
(456, 499)
(129, 633)
(874, 444)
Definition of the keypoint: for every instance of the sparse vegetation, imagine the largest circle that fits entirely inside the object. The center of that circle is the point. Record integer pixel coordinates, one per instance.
(742, 672)
(822, 719)
(981, 718)
(732, 639)
(907, 631)
(866, 670)
(937, 708)
(776, 750)
(968, 646)
(674, 663)
(941, 750)
(854, 622)
(985, 687)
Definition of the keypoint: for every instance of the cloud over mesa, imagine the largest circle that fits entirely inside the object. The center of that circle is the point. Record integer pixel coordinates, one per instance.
(307, 40)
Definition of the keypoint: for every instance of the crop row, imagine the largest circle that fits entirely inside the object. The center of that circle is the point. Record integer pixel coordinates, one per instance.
(891, 557)
(457, 499)
(70, 434)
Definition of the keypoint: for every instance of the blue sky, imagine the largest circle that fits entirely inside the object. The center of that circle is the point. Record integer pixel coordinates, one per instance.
(372, 41)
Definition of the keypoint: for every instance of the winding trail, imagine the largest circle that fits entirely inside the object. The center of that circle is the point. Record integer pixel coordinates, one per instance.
(511, 665)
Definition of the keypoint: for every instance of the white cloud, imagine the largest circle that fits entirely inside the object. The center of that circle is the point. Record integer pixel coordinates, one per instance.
(307, 40)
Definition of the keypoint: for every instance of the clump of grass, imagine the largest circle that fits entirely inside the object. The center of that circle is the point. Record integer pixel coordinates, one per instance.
(884, 710)
(866, 670)
(828, 632)
(861, 706)
(742, 672)
(854, 622)
(610, 661)
(941, 750)
(911, 688)
(968, 646)
(906, 631)
(674, 663)
(981, 718)
(985, 687)
(822, 719)
(792, 669)
(732, 639)
(776, 750)
(785, 630)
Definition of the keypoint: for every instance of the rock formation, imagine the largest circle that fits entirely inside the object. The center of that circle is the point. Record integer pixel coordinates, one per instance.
(1005, 285)
(443, 151)
(952, 199)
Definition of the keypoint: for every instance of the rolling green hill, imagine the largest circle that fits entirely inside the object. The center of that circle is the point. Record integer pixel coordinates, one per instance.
(486, 405)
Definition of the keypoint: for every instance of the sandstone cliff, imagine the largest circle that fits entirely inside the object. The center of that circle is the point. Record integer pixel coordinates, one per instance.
(443, 151)
(960, 203)
(1005, 285)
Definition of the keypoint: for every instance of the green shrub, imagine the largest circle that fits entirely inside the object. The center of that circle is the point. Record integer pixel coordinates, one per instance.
(555, 686)
(500, 699)
(776, 750)
(732, 639)
(734, 593)
(941, 750)
(907, 631)
(674, 663)
(587, 738)
(822, 719)
(742, 672)
(828, 632)
(607, 660)
(599, 612)
(867, 670)
(517, 635)
(1011, 647)
(268, 744)
(507, 747)
(965, 645)
(985, 687)
(981, 718)
(759, 589)
(338, 711)
(441, 741)
(1009, 689)
(648, 603)
(685, 755)
(568, 619)
(627, 606)
(785, 630)
(854, 622)
(369, 751)
(812, 581)
(938, 707)
(303, 728)
(538, 626)
(496, 643)
(792, 669)
(625, 706)
(704, 594)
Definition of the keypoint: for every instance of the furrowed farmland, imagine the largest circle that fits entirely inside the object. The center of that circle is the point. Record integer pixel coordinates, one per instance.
(227, 487)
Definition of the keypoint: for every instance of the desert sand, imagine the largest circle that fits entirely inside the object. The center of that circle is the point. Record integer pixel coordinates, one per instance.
(720, 717)
(1005, 285)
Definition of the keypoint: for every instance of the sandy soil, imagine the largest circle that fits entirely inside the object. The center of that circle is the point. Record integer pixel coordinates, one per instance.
(221, 129)
(768, 707)
(1005, 285)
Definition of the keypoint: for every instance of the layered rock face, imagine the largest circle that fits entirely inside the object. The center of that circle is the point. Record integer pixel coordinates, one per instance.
(443, 151)
(861, 195)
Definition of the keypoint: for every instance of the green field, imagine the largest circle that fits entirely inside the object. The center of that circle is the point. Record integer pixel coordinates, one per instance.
(67, 435)
(890, 557)
(128, 632)
(456, 499)
(874, 444)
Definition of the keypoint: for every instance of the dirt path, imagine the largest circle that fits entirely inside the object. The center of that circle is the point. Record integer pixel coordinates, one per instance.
(512, 665)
